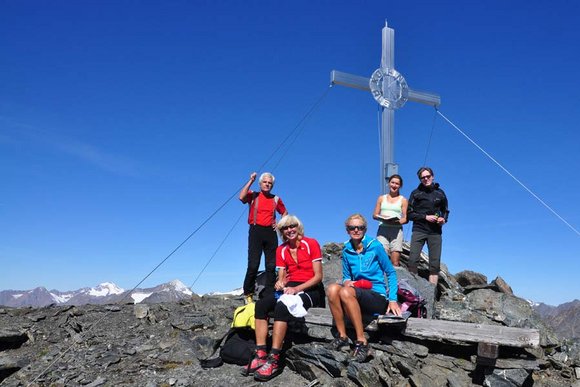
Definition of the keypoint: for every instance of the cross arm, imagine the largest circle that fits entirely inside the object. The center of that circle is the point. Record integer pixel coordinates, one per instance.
(362, 83)
(349, 80)
(424, 97)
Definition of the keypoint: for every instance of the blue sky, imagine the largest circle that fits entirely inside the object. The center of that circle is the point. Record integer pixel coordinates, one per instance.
(124, 125)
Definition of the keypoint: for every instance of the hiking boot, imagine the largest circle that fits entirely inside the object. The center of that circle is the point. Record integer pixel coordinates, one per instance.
(258, 360)
(360, 352)
(338, 343)
(269, 370)
(248, 298)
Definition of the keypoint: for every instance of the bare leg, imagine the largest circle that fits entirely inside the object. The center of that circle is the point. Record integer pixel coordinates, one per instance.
(352, 307)
(278, 334)
(434, 278)
(335, 305)
(261, 331)
(395, 258)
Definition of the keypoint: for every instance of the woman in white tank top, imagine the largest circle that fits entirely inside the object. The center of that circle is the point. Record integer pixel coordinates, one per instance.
(391, 212)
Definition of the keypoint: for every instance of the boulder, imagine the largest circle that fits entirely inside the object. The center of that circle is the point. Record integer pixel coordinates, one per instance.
(469, 278)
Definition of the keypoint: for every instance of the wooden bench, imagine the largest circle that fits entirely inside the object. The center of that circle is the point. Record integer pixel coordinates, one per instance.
(488, 337)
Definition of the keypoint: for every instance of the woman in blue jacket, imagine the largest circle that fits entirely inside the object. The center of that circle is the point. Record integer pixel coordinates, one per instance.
(363, 289)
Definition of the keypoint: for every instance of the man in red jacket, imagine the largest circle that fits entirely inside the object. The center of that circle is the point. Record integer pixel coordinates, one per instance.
(262, 237)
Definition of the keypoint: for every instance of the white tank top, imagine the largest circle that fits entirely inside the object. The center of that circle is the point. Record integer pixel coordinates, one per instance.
(391, 210)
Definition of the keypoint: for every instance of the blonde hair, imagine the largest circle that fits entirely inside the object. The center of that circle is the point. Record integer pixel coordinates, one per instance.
(287, 221)
(356, 216)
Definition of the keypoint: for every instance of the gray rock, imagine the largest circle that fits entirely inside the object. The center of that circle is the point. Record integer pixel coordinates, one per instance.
(501, 286)
(510, 311)
(407, 349)
(99, 381)
(469, 278)
(453, 310)
(363, 374)
(192, 321)
(507, 378)
(141, 310)
(332, 362)
(434, 375)
(10, 338)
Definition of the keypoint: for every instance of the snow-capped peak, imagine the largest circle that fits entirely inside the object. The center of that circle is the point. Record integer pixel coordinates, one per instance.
(180, 287)
(235, 292)
(105, 289)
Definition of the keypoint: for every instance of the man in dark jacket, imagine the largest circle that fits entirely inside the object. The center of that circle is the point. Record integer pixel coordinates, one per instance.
(428, 211)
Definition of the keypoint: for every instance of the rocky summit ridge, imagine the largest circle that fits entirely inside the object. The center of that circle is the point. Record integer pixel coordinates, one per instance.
(161, 343)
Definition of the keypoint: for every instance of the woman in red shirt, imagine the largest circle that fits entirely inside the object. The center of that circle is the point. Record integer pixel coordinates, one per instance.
(299, 265)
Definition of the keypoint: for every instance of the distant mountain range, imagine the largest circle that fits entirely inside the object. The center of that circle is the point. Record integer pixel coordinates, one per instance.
(564, 318)
(105, 293)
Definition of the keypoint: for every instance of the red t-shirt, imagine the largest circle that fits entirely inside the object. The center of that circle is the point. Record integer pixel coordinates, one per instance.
(301, 270)
(265, 215)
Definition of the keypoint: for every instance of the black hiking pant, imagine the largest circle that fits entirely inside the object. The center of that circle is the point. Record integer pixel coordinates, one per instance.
(261, 239)
(434, 243)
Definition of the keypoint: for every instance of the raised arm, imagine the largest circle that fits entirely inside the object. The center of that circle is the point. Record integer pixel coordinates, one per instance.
(246, 187)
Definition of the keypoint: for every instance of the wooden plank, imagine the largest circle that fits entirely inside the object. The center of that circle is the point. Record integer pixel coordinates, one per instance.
(451, 330)
(462, 331)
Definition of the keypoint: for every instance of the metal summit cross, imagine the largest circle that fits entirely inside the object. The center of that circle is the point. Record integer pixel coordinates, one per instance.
(391, 91)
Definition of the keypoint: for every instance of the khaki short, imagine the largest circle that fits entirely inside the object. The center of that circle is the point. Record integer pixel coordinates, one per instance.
(391, 238)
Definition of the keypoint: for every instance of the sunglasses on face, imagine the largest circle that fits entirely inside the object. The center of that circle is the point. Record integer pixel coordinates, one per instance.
(353, 228)
(288, 227)
(425, 177)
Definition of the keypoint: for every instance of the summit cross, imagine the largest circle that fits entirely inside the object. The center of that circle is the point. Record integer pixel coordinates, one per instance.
(391, 91)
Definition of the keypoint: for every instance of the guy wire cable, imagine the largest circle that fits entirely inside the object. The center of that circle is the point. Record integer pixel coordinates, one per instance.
(302, 126)
(510, 174)
(406, 234)
(81, 336)
(218, 248)
(430, 137)
(380, 143)
(303, 119)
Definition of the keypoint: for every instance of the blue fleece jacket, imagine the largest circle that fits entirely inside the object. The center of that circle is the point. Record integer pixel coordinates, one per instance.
(371, 264)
